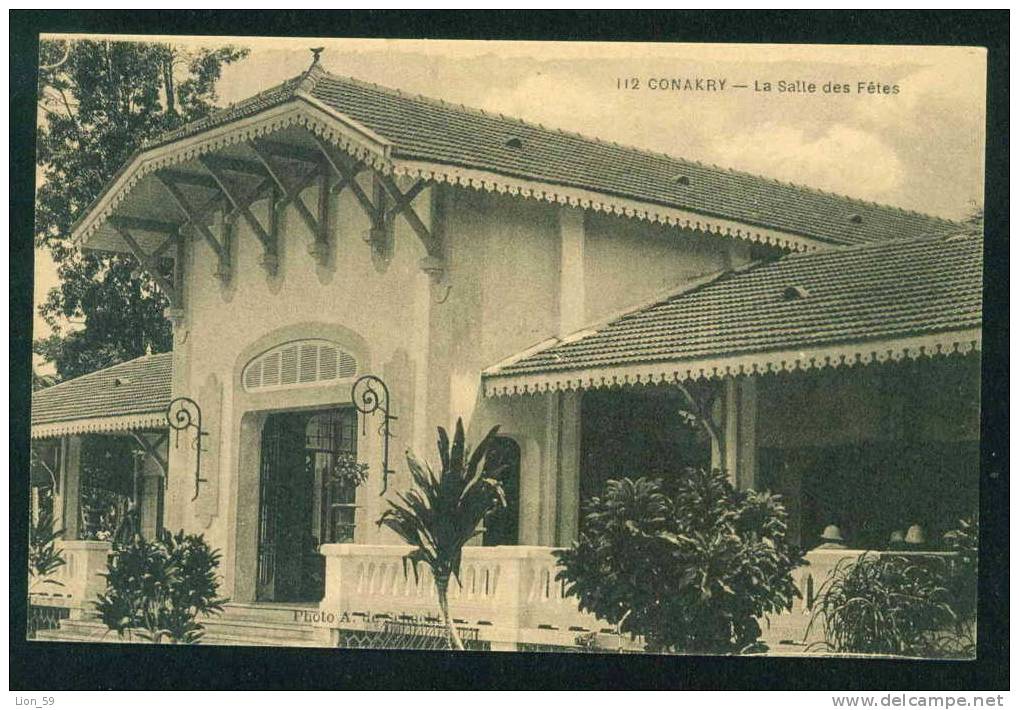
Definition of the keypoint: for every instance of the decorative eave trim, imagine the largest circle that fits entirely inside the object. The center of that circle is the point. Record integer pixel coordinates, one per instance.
(100, 425)
(832, 356)
(601, 202)
(347, 135)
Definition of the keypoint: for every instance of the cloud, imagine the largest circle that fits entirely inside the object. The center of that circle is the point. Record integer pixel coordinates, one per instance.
(555, 101)
(946, 92)
(841, 158)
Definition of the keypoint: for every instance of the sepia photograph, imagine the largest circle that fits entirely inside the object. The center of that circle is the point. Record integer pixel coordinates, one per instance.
(507, 346)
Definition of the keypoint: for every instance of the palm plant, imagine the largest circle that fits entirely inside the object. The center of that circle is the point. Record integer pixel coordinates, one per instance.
(44, 557)
(441, 513)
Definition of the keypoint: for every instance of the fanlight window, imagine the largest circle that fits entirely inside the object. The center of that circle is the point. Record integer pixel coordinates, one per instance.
(298, 364)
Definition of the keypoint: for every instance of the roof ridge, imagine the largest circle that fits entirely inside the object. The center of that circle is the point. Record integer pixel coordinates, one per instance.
(889, 244)
(169, 135)
(323, 73)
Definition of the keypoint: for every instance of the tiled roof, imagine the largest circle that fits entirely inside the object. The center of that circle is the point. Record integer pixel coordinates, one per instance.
(274, 96)
(424, 129)
(881, 291)
(139, 386)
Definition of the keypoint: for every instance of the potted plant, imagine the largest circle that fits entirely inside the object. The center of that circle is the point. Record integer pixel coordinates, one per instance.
(347, 471)
(44, 558)
(889, 605)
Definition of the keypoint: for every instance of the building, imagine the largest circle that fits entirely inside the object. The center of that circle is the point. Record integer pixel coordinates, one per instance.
(580, 294)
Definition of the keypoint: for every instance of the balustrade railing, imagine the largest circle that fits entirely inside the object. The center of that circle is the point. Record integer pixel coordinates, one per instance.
(77, 582)
(503, 588)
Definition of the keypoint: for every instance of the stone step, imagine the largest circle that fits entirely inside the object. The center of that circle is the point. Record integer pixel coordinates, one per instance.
(81, 630)
(233, 631)
(274, 613)
(261, 629)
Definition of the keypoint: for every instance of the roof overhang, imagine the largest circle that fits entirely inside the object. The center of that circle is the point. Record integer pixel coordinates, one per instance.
(135, 193)
(603, 202)
(101, 425)
(836, 355)
(302, 112)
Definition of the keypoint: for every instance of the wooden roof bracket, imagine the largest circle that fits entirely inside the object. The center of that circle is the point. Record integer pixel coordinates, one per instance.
(152, 450)
(196, 218)
(376, 208)
(381, 233)
(403, 206)
(291, 194)
(347, 174)
(242, 205)
(149, 261)
(700, 398)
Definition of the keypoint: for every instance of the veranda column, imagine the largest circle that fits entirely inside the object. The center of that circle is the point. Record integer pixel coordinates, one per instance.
(559, 484)
(561, 477)
(568, 499)
(69, 500)
(747, 455)
(150, 498)
(739, 429)
(731, 429)
(548, 483)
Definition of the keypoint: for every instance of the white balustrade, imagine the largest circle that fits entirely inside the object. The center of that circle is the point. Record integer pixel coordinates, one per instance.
(810, 580)
(78, 581)
(502, 588)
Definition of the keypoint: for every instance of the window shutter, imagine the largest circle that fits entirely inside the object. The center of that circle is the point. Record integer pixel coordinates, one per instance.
(299, 364)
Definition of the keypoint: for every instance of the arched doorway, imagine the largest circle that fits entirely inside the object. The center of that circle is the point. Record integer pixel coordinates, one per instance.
(302, 503)
(502, 526)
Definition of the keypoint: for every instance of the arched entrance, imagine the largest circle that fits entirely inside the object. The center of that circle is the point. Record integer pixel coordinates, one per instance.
(302, 502)
(502, 526)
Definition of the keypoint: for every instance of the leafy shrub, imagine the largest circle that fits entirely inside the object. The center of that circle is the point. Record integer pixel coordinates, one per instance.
(689, 565)
(158, 589)
(889, 605)
(43, 556)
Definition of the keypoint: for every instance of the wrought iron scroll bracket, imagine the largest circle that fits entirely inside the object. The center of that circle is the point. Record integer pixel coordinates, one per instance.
(370, 395)
(185, 418)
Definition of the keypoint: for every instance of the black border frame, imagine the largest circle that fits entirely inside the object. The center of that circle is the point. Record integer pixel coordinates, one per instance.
(53, 666)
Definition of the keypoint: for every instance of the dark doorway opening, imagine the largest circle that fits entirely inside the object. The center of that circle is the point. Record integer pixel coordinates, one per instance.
(502, 526)
(302, 503)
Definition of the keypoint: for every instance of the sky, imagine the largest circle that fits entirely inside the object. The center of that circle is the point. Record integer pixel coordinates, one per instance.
(919, 146)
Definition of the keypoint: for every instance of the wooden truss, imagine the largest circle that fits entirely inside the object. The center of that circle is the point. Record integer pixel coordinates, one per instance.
(152, 445)
(149, 261)
(376, 209)
(233, 197)
(700, 398)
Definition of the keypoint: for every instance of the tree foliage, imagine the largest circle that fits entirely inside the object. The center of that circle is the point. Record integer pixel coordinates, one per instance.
(690, 564)
(441, 513)
(98, 102)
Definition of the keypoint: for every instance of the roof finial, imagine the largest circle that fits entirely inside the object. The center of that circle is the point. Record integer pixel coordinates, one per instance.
(316, 53)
